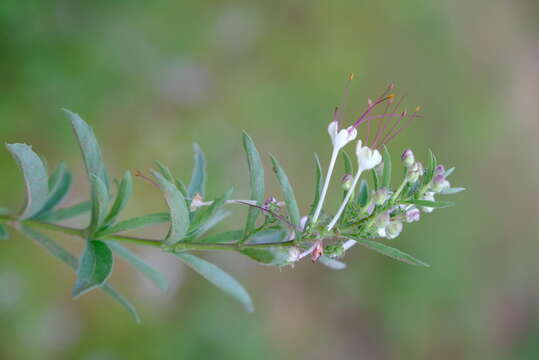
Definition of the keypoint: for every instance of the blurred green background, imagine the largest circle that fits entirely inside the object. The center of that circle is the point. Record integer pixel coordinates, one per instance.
(152, 77)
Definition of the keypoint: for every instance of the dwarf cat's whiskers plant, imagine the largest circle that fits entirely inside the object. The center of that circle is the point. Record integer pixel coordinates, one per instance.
(274, 232)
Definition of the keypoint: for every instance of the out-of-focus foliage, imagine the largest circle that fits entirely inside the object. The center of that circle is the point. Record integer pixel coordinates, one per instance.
(152, 78)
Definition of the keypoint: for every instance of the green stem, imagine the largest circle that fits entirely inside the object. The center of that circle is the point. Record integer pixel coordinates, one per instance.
(399, 190)
(146, 242)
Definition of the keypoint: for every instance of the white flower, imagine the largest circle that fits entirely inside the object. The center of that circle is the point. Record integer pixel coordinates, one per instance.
(429, 196)
(393, 229)
(339, 138)
(413, 215)
(367, 158)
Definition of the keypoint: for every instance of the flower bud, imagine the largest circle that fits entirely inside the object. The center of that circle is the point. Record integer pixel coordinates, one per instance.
(347, 181)
(439, 183)
(380, 196)
(413, 215)
(382, 220)
(414, 172)
(393, 229)
(439, 170)
(408, 158)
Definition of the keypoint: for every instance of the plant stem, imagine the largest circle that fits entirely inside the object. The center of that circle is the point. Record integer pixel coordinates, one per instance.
(334, 155)
(399, 190)
(147, 242)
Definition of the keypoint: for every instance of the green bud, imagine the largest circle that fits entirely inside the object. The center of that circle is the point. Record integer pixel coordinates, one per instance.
(346, 181)
(414, 172)
(393, 229)
(408, 158)
(380, 196)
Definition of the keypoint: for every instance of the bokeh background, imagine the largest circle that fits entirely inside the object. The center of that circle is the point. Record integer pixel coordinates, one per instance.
(152, 77)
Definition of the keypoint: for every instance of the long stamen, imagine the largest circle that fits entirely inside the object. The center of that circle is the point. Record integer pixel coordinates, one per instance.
(383, 116)
(378, 101)
(382, 129)
(389, 137)
(340, 110)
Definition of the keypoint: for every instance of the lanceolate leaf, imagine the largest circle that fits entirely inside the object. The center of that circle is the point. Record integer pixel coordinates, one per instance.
(288, 193)
(452, 190)
(332, 263)
(136, 223)
(4, 234)
(147, 270)
(100, 203)
(386, 177)
(274, 256)
(348, 167)
(59, 185)
(219, 278)
(35, 178)
(434, 204)
(318, 184)
(94, 268)
(68, 212)
(449, 172)
(198, 178)
(430, 168)
(62, 254)
(363, 196)
(179, 214)
(89, 147)
(165, 171)
(256, 176)
(125, 189)
(390, 251)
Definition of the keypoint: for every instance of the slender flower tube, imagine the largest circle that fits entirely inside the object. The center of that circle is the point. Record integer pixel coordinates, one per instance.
(367, 159)
(339, 139)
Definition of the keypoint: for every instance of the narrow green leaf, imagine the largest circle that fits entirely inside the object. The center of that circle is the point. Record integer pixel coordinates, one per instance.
(100, 203)
(63, 255)
(452, 190)
(208, 215)
(198, 178)
(125, 189)
(224, 237)
(4, 233)
(288, 193)
(68, 212)
(347, 160)
(434, 204)
(147, 270)
(332, 263)
(94, 268)
(135, 223)
(274, 256)
(181, 186)
(256, 178)
(59, 185)
(179, 214)
(375, 179)
(363, 197)
(122, 300)
(391, 252)
(449, 172)
(429, 174)
(165, 171)
(35, 178)
(219, 278)
(386, 177)
(207, 225)
(89, 147)
(318, 184)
